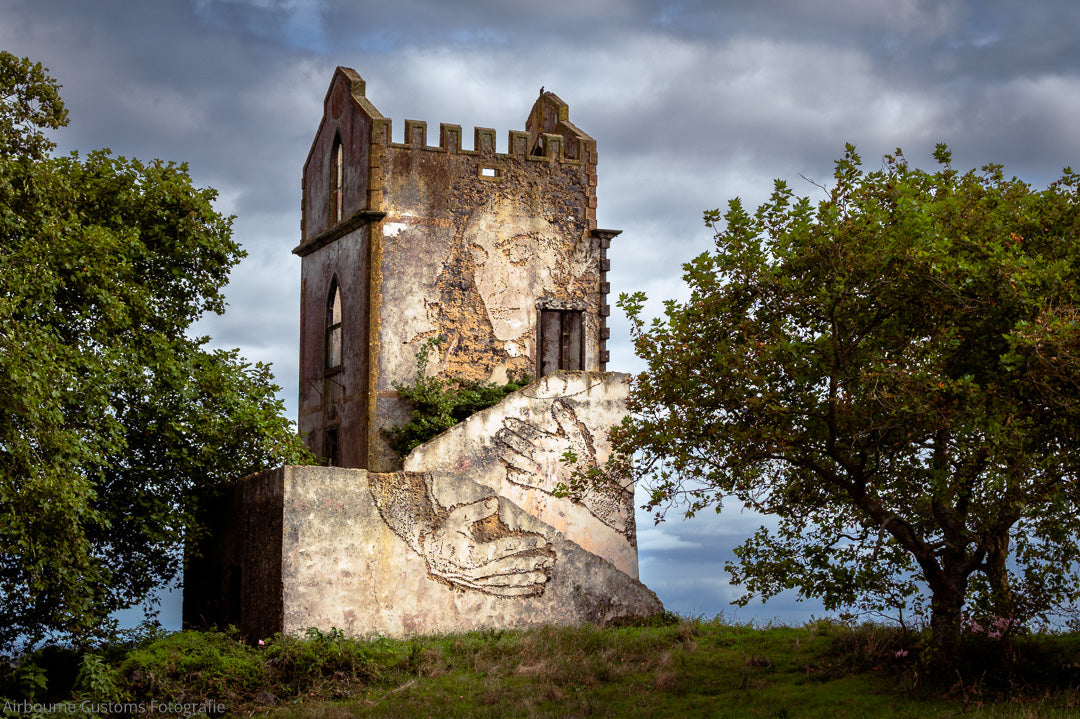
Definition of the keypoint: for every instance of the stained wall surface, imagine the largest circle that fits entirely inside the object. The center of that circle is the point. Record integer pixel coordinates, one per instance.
(469, 536)
(466, 245)
(336, 248)
(468, 257)
(233, 576)
(422, 553)
(347, 117)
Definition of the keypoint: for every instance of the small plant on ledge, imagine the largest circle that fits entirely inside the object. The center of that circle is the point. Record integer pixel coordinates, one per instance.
(438, 404)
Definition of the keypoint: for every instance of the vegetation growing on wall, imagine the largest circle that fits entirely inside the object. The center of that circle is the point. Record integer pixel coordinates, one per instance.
(439, 403)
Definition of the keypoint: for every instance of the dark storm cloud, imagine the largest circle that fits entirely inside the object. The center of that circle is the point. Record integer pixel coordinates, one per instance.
(480, 23)
(160, 80)
(692, 102)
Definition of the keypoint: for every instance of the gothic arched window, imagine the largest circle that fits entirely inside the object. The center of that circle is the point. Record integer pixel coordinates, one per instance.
(333, 327)
(337, 175)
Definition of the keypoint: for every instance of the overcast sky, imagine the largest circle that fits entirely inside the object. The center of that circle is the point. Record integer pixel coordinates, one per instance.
(691, 103)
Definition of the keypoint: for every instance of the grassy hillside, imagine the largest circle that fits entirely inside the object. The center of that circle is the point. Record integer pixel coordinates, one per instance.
(674, 668)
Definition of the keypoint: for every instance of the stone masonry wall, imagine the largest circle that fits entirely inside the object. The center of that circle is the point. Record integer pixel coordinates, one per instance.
(473, 242)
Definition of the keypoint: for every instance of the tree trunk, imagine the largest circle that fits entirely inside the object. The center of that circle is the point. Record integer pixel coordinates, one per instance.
(946, 617)
(997, 573)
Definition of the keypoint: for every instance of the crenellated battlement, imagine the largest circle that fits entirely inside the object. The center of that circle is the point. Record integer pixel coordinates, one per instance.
(547, 147)
(494, 247)
(354, 160)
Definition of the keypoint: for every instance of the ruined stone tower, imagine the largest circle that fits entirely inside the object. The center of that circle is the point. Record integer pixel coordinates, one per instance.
(496, 253)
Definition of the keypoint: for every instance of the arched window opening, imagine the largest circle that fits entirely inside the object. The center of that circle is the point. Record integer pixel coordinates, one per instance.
(337, 174)
(333, 327)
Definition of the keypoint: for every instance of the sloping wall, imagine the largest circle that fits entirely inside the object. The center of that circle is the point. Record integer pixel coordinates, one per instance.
(469, 536)
(516, 449)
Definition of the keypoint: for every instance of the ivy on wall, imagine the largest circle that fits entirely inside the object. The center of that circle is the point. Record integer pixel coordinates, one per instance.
(439, 403)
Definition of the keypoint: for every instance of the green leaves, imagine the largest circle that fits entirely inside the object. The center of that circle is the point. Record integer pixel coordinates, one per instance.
(438, 404)
(117, 428)
(902, 356)
(29, 100)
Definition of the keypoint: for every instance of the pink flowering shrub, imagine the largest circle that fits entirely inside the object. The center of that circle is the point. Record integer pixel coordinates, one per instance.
(995, 629)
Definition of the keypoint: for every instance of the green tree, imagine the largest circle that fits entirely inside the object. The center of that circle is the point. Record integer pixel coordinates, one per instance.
(116, 425)
(894, 374)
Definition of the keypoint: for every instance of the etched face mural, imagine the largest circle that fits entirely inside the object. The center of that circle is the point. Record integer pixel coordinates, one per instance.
(513, 250)
(512, 270)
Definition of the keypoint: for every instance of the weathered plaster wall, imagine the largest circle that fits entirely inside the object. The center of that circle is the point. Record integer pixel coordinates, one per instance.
(342, 250)
(349, 115)
(515, 448)
(259, 503)
(397, 554)
(340, 400)
(421, 553)
(467, 256)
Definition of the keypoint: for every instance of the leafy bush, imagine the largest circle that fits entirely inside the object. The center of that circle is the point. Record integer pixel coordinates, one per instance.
(194, 665)
(96, 679)
(438, 404)
(32, 680)
(38, 674)
(299, 664)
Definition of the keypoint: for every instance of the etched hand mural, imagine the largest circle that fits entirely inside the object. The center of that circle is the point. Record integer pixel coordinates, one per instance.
(509, 565)
(466, 545)
(532, 454)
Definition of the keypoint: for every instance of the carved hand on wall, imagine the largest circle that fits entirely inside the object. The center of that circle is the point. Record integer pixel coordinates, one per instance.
(466, 545)
(533, 455)
(512, 565)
